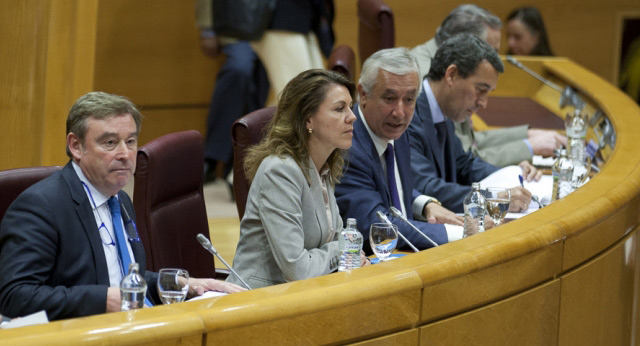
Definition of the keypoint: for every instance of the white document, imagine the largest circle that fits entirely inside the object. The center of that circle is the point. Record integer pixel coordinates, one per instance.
(508, 177)
(209, 294)
(39, 317)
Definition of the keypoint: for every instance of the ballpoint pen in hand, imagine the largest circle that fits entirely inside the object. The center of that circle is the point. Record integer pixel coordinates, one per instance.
(533, 197)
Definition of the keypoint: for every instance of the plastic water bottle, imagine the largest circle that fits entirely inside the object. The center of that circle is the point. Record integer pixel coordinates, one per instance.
(133, 289)
(475, 206)
(350, 244)
(576, 127)
(562, 172)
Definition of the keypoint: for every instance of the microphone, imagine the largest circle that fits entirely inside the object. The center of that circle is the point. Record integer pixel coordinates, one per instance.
(569, 96)
(207, 245)
(384, 219)
(398, 214)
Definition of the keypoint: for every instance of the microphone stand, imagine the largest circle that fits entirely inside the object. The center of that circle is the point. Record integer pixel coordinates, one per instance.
(398, 214)
(207, 245)
(384, 219)
(569, 96)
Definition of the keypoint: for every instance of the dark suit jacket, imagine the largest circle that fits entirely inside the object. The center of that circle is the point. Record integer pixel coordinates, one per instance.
(51, 255)
(363, 189)
(303, 16)
(446, 176)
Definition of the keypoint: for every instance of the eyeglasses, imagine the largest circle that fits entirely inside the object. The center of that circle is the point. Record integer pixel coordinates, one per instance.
(130, 226)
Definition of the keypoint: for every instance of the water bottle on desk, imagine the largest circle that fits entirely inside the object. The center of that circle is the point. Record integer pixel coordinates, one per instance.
(350, 244)
(133, 289)
(475, 206)
(576, 127)
(562, 172)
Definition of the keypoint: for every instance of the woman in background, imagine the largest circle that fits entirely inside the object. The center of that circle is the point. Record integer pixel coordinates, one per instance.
(526, 34)
(289, 228)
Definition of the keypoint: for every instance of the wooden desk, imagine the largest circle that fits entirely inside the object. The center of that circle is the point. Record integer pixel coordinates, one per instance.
(566, 275)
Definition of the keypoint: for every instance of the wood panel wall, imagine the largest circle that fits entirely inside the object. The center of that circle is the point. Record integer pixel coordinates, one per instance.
(148, 50)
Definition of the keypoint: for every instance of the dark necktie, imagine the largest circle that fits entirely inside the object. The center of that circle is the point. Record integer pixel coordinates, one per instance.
(391, 176)
(441, 130)
(116, 216)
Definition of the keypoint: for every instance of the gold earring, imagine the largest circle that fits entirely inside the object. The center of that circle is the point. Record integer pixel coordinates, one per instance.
(310, 130)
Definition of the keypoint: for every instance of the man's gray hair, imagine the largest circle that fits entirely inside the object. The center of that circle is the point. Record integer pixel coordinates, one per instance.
(466, 52)
(394, 60)
(467, 19)
(98, 105)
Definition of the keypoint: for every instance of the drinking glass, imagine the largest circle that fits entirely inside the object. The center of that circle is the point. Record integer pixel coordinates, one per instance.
(173, 285)
(498, 200)
(383, 238)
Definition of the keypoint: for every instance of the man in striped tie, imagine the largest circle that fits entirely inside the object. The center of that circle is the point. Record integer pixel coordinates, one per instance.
(378, 173)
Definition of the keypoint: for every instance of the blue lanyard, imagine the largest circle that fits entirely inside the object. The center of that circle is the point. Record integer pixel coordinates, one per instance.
(127, 224)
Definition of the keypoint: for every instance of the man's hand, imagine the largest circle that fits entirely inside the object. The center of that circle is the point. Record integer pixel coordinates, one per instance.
(544, 141)
(113, 299)
(435, 213)
(529, 172)
(210, 46)
(520, 199)
(488, 222)
(197, 287)
(364, 260)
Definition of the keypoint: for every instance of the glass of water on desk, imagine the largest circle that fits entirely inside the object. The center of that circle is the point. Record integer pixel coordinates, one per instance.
(498, 200)
(383, 238)
(173, 285)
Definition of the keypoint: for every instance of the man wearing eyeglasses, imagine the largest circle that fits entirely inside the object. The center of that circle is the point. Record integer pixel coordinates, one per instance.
(66, 242)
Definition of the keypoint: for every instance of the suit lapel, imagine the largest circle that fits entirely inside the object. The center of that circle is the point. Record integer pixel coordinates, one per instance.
(361, 135)
(403, 159)
(88, 221)
(318, 201)
(430, 132)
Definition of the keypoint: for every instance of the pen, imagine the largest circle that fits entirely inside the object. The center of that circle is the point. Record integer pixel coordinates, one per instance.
(521, 180)
(533, 197)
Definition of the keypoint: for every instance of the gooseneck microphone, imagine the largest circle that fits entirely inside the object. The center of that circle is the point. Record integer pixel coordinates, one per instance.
(398, 214)
(568, 95)
(207, 245)
(386, 220)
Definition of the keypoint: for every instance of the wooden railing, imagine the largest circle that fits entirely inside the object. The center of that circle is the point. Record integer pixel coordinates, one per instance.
(565, 275)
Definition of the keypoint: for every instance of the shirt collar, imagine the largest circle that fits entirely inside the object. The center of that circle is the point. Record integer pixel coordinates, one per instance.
(379, 143)
(95, 195)
(436, 112)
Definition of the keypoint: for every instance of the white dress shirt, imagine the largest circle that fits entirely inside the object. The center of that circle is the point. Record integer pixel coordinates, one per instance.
(102, 214)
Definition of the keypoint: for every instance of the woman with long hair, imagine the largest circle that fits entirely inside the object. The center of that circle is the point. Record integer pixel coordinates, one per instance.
(526, 34)
(291, 220)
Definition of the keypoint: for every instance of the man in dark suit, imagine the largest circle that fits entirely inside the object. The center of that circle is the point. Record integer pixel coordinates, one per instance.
(388, 88)
(61, 248)
(462, 73)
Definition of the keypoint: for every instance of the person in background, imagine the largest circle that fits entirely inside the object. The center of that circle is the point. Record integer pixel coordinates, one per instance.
(241, 87)
(63, 248)
(463, 72)
(378, 175)
(500, 147)
(526, 34)
(290, 225)
(299, 35)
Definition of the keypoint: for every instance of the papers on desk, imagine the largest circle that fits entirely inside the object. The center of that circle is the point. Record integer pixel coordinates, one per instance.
(209, 294)
(39, 317)
(540, 161)
(508, 177)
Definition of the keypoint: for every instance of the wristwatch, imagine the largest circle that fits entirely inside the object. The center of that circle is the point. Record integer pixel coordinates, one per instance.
(432, 200)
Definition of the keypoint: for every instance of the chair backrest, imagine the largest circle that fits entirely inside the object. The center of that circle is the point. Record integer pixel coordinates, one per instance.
(169, 203)
(246, 132)
(14, 181)
(343, 60)
(376, 30)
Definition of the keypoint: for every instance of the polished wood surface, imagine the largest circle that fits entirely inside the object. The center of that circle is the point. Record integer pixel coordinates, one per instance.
(567, 274)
